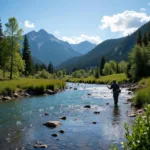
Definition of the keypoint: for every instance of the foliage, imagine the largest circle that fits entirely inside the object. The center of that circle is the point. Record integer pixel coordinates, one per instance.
(138, 134)
(43, 74)
(4, 54)
(96, 72)
(139, 38)
(14, 35)
(142, 96)
(50, 68)
(26, 53)
(103, 61)
(139, 62)
(107, 69)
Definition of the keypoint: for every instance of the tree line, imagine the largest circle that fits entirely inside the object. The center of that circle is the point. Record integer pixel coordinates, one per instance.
(139, 58)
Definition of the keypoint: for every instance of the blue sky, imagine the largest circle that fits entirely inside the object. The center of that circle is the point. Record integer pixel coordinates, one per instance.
(78, 20)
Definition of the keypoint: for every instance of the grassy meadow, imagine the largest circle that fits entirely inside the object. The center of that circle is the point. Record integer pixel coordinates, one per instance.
(39, 85)
(142, 96)
(102, 80)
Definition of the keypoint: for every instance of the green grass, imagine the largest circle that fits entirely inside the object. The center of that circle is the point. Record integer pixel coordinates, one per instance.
(37, 85)
(102, 80)
(142, 96)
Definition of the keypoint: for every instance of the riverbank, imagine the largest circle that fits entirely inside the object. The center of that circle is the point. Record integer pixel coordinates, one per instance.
(120, 78)
(12, 89)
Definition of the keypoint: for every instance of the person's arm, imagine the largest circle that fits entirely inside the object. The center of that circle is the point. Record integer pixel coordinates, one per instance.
(110, 87)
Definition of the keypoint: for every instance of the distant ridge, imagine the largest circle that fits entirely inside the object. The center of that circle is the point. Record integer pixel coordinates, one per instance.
(117, 49)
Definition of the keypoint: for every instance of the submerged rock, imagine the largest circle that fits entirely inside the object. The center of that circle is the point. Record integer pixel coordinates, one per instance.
(46, 114)
(62, 131)
(63, 118)
(107, 103)
(97, 112)
(54, 135)
(52, 124)
(94, 122)
(75, 88)
(26, 94)
(87, 106)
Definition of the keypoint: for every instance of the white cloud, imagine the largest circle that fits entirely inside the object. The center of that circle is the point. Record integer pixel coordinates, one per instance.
(56, 32)
(28, 24)
(148, 4)
(142, 9)
(81, 38)
(126, 22)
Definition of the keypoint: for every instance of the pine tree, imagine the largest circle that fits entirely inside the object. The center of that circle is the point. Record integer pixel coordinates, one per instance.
(50, 68)
(103, 61)
(26, 53)
(37, 67)
(1, 31)
(148, 35)
(145, 39)
(139, 38)
(43, 66)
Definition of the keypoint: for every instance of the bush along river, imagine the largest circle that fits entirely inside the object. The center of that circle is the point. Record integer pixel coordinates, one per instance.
(95, 127)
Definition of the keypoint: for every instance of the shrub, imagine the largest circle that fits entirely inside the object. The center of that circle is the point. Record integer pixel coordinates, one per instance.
(138, 135)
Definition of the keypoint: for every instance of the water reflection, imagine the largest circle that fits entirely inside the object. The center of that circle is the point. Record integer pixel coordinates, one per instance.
(116, 115)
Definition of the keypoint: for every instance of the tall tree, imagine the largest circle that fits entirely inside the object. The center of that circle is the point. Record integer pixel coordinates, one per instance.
(96, 72)
(1, 30)
(145, 39)
(103, 61)
(26, 53)
(50, 68)
(148, 35)
(43, 66)
(139, 38)
(37, 67)
(14, 34)
(4, 54)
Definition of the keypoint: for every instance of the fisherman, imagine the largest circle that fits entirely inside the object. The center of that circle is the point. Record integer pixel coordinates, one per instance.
(116, 90)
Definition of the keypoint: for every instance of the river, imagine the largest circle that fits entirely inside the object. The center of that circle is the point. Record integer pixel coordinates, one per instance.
(21, 121)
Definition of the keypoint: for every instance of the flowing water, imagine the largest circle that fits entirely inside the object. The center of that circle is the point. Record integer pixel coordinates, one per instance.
(21, 121)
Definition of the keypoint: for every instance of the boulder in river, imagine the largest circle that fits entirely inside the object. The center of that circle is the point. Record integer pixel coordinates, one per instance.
(63, 118)
(52, 124)
(6, 98)
(94, 122)
(132, 115)
(16, 95)
(75, 88)
(87, 106)
(40, 146)
(50, 92)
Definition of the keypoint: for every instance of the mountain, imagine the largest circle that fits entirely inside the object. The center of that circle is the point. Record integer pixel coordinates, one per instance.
(83, 47)
(46, 47)
(117, 49)
(35, 60)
